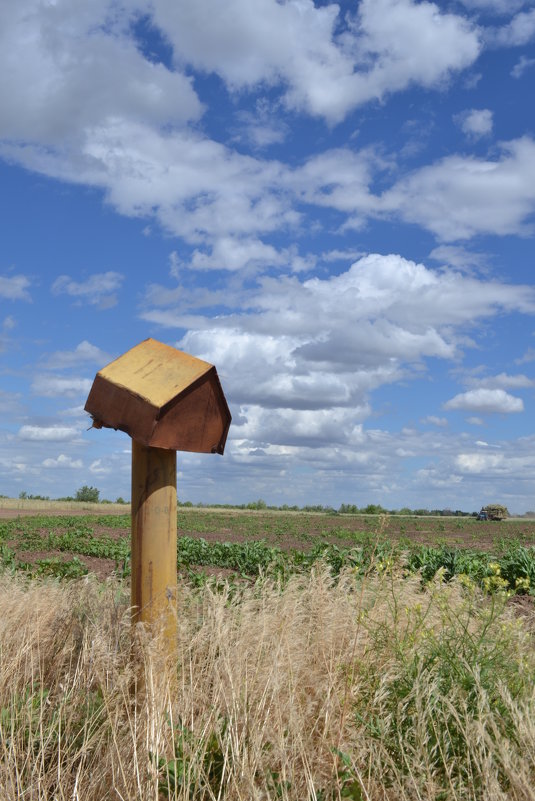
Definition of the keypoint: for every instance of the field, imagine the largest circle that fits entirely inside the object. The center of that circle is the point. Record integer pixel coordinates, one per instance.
(245, 542)
(321, 657)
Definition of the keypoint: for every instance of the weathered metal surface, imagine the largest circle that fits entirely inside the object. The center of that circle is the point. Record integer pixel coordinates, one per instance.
(154, 539)
(162, 397)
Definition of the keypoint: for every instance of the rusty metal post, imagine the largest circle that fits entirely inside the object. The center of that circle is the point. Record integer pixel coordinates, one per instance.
(154, 540)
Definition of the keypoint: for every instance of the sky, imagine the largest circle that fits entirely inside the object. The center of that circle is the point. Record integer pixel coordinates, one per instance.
(332, 203)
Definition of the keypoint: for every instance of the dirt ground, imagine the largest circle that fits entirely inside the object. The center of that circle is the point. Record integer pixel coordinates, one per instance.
(285, 530)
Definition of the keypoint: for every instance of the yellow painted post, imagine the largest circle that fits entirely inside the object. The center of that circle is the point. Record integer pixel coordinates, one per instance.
(154, 540)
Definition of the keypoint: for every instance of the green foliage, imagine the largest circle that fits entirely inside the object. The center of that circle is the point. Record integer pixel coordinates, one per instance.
(259, 504)
(87, 494)
(196, 769)
(509, 567)
(55, 568)
(444, 672)
(374, 509)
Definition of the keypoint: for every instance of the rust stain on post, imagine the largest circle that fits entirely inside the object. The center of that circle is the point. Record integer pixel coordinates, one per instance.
(154, 539)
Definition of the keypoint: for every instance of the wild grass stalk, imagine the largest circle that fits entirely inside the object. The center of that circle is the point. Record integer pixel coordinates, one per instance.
(319, 689)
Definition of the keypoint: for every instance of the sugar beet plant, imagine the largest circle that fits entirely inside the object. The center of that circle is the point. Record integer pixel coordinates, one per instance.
(509, 569)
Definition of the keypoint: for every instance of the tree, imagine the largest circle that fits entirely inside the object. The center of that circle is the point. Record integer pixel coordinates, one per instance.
(87, 494)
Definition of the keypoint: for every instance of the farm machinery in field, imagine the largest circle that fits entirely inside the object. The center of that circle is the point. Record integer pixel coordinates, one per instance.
(494, 511)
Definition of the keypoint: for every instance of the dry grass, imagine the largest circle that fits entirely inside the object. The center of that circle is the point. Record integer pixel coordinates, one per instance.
(26, 506)
(319, 690)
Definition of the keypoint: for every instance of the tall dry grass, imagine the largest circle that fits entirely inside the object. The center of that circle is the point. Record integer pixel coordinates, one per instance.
(318, 690)
(34, 506)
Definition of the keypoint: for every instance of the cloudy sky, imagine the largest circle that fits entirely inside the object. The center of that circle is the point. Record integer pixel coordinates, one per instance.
(333, 203)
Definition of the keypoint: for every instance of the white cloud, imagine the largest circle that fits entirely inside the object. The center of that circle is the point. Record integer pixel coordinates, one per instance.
(486, 401)
(519, 31)
(388, 45)
(85, 106)
(503, 381)
(459, 197)
(81, 68)
(98, 289)
(48, 433)
(84, 353)
(99, 468)
(521, 66)
(529, 356)
(262, 127)
(327, 343)
(50, 386)
(230, 253)
(480, 462)
(63, 462)
(14, 287)
(475, 123)
(458, 257)
(441, 422)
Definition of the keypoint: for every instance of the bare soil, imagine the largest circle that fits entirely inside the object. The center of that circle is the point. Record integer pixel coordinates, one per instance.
(291, 530)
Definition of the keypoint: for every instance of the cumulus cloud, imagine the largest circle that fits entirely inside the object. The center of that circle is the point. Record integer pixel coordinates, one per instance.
(458, 257)
(87, 107)
(63, 462)
(486, 401)
(441, 422)
(521, 66)
(84, 353)
(502, 380)
(459, 197)
(519, 31)
(480, 462)
(385, 47)
(14, 287)
(81, 68)
(48, 433)
(98, 290)
(50, 386)
(311, 351)
(475, 123)
(99, 468)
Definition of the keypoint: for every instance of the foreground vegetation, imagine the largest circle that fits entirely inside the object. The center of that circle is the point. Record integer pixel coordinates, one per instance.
(361, 688)
(318, 660)
(278, 545)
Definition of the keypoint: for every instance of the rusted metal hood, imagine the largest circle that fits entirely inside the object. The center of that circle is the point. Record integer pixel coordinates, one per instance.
(162, 397)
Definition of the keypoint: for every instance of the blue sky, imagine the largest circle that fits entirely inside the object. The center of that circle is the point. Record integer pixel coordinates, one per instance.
(333, 203)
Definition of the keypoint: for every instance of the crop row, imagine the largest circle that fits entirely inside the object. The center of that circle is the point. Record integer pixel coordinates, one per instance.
(512, 570)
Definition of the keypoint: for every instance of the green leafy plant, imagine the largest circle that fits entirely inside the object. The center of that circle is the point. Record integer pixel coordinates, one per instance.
(196, 769)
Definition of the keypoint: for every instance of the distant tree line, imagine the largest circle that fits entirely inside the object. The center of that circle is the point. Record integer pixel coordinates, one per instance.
(85, 495)
(343, 509)
(92, 495)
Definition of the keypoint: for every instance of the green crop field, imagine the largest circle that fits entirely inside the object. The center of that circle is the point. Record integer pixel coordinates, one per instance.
(247, 544)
